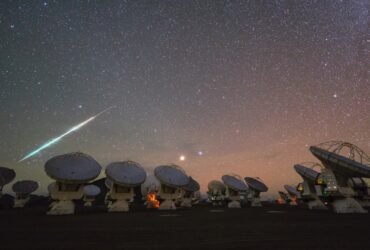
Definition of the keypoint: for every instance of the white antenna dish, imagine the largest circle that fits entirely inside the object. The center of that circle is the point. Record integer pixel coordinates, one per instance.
(70, 171)
(293, 193)
(342, 161)
(216, 192)
(291, 190)
(192, 186)
(23, 189)
(256, 186)
(7, 175)
(172, 178)
(72, 168)
(171, 175)
(217, 186)
(90, 192)
(234, 187)
(311, 191)
(128, 173)
(307, 171)
(125, 176)
(234, 182)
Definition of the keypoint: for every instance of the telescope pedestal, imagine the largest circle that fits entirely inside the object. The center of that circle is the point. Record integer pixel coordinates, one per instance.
(316, 205)
(186, 202)
(256, 202)
(234, 204)
(88, 204)
(348, 205)
(167, 205)
(293, 203)
(20, 202)
(169, 195)
(120, 197)
(234, 196)
(119, 206)
(63, 196)
(62, 207)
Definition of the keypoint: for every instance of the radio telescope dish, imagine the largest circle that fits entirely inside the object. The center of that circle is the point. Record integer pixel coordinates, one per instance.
(75, 168)
(306, 170)
(234, 182)
(342, 161)
(344, 158)
(125, 176)
(291, 190)
(293, 193)
(189, 192)
(22, 190)
(217, 186)
(90, 192)
(128, 173)
(171, 175)
(172, 178)
(192, 186)
(311, 191)
(234, 187)
(256, 186)
(216, 192)
(7, 175)
(70, 171)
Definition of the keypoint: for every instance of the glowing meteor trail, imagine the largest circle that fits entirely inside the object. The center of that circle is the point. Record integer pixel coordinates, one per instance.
(56, 139)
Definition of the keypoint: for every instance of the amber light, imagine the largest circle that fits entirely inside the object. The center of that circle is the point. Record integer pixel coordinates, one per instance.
(152, 201)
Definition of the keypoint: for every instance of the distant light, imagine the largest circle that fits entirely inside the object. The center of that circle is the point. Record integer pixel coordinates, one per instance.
(335, 95)
(182, 158)
(200, 153)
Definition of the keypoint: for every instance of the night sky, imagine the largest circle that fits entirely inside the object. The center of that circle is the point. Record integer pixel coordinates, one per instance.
(234, 86)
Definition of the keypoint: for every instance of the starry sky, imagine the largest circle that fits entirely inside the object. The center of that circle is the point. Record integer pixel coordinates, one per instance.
(238, 87)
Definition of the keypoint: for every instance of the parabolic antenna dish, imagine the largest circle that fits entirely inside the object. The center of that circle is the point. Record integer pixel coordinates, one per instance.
(306, 172)
(25, 187)
(216, 185)
(344, 158)
(256, 184)
(126, 173)
(171, 175)
(7, 175)
(234, 182)
(91, 190)
(291, 190)
(192, 186)
(72, 168)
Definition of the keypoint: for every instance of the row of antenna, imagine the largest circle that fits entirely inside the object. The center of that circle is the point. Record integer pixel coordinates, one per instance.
(171, 186)
(339, 182)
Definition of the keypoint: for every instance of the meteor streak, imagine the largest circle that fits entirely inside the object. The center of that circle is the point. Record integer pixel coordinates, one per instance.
(56, 139)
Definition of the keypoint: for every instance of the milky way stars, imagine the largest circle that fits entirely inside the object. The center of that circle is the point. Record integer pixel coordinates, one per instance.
(233, 86)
